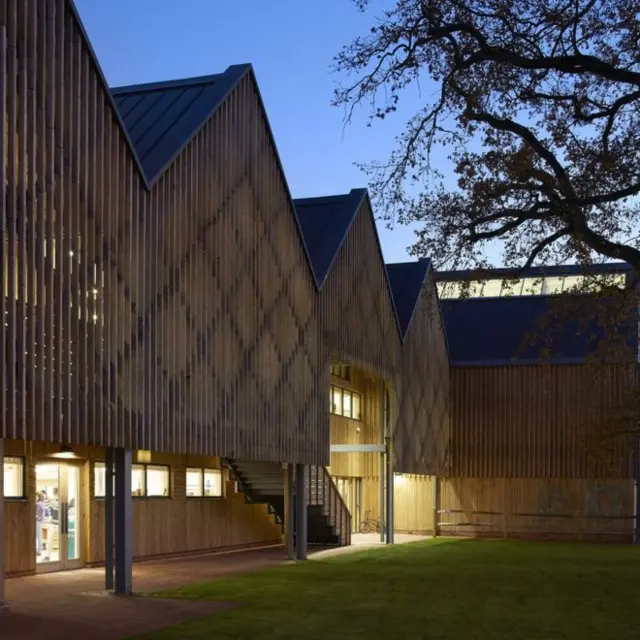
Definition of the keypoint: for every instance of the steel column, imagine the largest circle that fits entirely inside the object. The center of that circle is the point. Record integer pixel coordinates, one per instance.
(108, 518)
(290, 506)
(383, 396)
(389, 493)
(636, 537)
(123, 522)
(2, 602)
(301, 512)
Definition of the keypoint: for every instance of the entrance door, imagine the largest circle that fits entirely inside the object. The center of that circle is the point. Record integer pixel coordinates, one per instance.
(57, 516)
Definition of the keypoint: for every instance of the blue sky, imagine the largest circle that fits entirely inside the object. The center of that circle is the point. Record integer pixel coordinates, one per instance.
(290, 43)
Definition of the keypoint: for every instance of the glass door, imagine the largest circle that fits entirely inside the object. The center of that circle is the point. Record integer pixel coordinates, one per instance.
(57, 516)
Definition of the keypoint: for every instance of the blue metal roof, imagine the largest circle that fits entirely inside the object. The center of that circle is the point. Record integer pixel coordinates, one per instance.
(491, 331)
(325, 222)
(406, 279)
(162, 117)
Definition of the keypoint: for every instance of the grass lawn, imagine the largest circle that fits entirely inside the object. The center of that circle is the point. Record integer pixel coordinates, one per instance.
(453, 590)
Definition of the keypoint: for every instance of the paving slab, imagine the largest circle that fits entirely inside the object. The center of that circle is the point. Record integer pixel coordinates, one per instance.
(73, 604)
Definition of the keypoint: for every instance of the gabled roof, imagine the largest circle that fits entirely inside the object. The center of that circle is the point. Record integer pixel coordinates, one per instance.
(493, 331)
(325, 222)
(406, 280)
(162, 117)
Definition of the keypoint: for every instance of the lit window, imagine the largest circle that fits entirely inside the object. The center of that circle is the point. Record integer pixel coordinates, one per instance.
(137, 480)
(510, 287)
(572, 283)
(99, 480)
(532, 286)
(212, 483)
(204, 483)
(13, 477)
(492, 288)
(346, 404)
(194, 483)
(356, 406)
(552, 285)
(146, 480)
(157, 480)
(337, 400)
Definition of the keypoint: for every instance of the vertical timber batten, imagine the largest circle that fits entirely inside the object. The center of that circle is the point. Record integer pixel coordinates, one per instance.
(91, 312)
(2, 527)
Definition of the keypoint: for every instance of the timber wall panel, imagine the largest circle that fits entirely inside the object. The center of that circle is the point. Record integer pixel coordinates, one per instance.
(345, 430)
(564, 508)
(535, 421)
(181, 318)
(422, 437)
(357, 316)
(162, 526)
(413, 504)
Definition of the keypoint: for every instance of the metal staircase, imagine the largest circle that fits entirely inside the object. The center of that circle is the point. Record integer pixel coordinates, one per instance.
(328, 519)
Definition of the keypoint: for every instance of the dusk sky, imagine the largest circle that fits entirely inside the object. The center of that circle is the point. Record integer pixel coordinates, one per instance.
(290, 44)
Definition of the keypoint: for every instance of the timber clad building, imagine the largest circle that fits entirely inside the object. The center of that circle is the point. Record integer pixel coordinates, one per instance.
(192, 360)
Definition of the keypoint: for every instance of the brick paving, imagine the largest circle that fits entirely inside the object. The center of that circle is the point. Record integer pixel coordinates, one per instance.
(73, 604)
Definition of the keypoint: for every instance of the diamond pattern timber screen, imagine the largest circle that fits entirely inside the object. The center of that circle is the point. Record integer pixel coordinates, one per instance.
(178, 318)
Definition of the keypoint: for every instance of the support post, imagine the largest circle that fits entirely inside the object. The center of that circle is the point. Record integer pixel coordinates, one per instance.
(436, 505)
(389, 496)
(2, 602)
(636, 523)
(289, 509)
(383, 401)
(108, 518)
(301, 512)
(123, 522)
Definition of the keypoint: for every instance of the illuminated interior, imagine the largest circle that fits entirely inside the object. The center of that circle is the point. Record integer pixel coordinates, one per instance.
(550, 285)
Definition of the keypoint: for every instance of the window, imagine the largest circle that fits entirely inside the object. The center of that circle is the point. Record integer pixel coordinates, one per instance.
(341, 371)
(150, 480)
(13, 477)
(157, 480)
(205, 483)
(345, 403)
(99, 480)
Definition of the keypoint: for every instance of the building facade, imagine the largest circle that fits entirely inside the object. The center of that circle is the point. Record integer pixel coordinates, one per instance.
(167, 340)
(192, 360)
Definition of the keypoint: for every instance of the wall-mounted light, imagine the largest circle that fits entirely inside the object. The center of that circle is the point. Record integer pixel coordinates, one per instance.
(65, 452)
(399, 479)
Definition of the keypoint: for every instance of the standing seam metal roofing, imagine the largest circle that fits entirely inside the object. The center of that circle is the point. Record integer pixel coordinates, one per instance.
(162, 117)
(325, 222)
(493, 331)
(407, 279)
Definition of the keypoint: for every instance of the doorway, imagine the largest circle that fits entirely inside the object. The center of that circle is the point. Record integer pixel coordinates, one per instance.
(58, 516)
(351, 491)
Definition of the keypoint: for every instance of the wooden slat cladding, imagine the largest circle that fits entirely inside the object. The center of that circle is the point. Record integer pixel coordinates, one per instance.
(357, 318)
(181, 318)
(535, 421)
(357, 315)
(422, 438)
(560, 508)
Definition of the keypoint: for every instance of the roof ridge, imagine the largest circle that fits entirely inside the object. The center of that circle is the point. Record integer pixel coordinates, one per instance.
(178, 82)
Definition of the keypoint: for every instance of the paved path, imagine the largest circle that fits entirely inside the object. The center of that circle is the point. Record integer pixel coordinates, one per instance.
(72, 604)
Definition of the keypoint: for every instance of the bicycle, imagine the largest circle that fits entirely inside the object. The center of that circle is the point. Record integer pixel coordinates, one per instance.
(370, 524)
